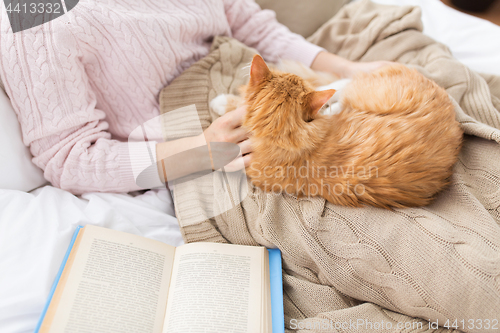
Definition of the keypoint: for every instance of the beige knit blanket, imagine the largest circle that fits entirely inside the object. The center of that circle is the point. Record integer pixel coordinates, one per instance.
(364, 269)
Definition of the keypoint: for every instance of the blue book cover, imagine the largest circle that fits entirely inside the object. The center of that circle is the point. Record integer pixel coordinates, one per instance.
(276, 278)
(276, 282)
(56, 281)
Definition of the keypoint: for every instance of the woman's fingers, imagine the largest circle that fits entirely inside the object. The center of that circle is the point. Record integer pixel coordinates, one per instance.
(235, 118)
(247, 160)
(239, 163)
(238, 115)
(238, 134)
(227, 128)
(243, 160)
(245, 146)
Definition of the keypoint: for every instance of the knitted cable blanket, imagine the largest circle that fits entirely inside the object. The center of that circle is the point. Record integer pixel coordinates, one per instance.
(362, 269)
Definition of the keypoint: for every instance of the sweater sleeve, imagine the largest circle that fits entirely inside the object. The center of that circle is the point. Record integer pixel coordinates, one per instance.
(259, 29)
(60, 121)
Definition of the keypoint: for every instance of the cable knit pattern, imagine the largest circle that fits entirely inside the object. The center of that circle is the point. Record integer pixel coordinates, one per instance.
(390, 270)
(82, 82)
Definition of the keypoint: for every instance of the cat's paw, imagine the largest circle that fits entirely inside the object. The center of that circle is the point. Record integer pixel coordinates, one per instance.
(331, 109)
(219, 104)
(225, 103)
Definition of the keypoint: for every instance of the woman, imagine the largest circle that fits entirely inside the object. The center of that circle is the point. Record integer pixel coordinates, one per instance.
(82, 82)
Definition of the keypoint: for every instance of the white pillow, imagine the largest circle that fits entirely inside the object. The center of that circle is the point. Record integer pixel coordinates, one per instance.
(470, 39)
(17, 172)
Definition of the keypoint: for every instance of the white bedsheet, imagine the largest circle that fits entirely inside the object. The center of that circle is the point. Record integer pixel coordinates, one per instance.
(35, 228)
(475, 42)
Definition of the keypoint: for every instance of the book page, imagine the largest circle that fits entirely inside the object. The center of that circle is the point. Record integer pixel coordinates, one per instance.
(56, 297)
(118, 283)
(215, 288)
(267, 324)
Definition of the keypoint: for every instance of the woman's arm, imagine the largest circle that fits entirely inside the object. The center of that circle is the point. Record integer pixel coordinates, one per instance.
(332, 63)
(56, 107)
(224, 129)
(259, 29)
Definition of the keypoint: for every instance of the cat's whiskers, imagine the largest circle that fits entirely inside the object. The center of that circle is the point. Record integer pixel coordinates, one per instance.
(247, 67)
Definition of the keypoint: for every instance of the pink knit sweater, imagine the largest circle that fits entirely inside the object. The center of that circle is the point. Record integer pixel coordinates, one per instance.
(83, 82)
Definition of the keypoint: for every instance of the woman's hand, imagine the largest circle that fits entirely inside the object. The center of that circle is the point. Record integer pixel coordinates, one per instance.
(332, 63)
(228, 128)
(224, 129)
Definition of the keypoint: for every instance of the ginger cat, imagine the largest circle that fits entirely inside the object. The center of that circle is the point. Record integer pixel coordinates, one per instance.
(393, 144)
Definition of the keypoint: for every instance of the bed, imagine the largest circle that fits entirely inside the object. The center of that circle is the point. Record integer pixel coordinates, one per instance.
(36, 225)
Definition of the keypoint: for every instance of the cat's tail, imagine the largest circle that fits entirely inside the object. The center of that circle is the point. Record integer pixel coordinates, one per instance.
(379, 193)
(316, 79)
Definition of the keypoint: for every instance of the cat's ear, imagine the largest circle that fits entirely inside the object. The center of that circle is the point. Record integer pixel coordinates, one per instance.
(259, 70)
(318, 98)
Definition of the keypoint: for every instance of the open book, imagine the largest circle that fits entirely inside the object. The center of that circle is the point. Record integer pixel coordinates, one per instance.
(111, 281)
